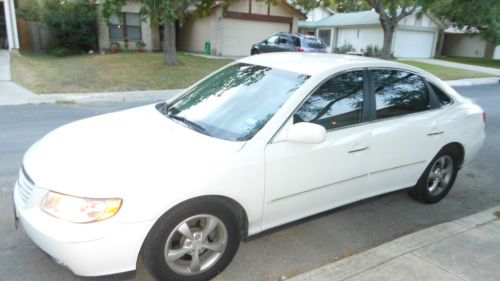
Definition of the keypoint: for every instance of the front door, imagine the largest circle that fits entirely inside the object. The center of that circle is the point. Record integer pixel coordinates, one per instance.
(303, 179)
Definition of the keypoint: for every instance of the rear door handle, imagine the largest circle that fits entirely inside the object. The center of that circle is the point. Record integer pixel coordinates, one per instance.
(435, 133)
(358, 149)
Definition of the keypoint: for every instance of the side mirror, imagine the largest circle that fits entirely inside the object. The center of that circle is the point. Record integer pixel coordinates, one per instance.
(305, 132)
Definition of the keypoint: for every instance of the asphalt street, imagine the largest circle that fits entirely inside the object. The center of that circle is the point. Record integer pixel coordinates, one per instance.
(286, 251)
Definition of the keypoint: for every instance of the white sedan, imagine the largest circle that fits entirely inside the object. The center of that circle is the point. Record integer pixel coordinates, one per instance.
(264, 141)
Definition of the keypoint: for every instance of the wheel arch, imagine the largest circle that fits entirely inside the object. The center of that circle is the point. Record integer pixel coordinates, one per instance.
(459, 149)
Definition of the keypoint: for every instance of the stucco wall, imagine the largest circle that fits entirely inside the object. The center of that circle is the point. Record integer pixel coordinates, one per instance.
(496, 54)
(146, 30)
(416, 21)
(195, 32)
(361, 37)
(463, 45)
(317, 14)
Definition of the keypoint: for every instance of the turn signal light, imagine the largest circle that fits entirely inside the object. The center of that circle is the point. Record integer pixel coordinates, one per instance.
(300, 50)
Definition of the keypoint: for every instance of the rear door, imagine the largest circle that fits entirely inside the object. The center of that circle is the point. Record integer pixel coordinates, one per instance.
(406, 129)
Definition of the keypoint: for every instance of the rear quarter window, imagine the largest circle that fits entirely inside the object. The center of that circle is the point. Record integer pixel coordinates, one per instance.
(442, 97)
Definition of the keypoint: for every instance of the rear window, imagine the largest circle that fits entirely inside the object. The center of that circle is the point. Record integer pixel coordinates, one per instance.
(314, 43)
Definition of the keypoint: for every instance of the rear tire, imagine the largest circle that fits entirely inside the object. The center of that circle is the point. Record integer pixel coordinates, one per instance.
(195, 241)
(438, 178)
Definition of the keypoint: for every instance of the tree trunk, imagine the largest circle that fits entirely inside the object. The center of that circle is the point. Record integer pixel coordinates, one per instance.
(169, 44)
(388, 38)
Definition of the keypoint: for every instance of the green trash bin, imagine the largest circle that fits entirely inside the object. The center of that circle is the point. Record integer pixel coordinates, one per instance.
(208, 48)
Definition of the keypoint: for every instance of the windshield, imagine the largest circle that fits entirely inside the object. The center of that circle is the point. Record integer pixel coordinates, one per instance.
(236, 102)
(315, 43)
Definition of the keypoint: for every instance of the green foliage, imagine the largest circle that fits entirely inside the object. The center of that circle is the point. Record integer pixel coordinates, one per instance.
(346, 6)
(372, 50)
(72, 23)
(114, 45)
(347, 47)
(481, 14)
(140, 44)
(62, 52)
(29, 10)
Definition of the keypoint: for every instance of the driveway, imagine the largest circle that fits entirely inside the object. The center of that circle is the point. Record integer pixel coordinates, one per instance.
(285, 251)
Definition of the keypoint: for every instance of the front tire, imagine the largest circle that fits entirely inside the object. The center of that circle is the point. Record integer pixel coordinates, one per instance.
(195, 241)
(254, 52)
(437, 179)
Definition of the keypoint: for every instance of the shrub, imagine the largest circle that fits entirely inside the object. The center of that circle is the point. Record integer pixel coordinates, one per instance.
(347, 47)
(29, 10)
(369, 50)
(140, 44)
(72, 23)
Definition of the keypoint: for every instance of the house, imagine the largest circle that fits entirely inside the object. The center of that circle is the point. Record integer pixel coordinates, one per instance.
(233, 32)
(9, 38)
(319, 13)
(460, 42)
(230, 33)
(416, 36)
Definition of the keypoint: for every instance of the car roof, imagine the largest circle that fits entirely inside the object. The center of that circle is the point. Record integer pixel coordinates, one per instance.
(315, 63)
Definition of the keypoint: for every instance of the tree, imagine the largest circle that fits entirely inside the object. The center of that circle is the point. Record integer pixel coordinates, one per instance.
(390, 13)
(347, 6)
(481, 14)
(72, 23)
(167, 12)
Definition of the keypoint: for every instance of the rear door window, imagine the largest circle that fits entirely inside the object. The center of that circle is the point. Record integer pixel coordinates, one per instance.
(283, 40)
(398, 93)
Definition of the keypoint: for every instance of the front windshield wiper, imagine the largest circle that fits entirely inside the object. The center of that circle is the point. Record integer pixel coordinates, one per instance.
(191, 124)
(164, 108)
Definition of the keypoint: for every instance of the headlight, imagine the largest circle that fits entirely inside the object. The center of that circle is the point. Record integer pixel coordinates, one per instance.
(79, 209)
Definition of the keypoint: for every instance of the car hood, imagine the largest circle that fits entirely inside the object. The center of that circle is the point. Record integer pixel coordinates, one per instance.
(104, 156)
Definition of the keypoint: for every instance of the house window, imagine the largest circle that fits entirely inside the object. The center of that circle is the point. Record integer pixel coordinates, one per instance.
(325, 36)
(126, 26)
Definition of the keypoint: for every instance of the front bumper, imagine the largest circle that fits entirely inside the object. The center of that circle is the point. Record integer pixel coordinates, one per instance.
(92, 249)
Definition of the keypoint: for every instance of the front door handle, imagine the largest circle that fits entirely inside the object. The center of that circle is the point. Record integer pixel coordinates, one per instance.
(358, 149)
(435, 133)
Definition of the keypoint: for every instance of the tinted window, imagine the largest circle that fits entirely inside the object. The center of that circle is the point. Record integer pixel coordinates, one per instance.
(296, 41)
(398, 93)
(283, 40)
(314, 43)
(442, 97)
(236, 102)
(273, 39)
(337, 103)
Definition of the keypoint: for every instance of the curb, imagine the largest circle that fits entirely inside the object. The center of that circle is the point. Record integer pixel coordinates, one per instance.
(375, 257)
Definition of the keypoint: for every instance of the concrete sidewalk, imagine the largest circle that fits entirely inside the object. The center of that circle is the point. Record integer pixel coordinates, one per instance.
(5, 66)
(489, 70)
(465, 249)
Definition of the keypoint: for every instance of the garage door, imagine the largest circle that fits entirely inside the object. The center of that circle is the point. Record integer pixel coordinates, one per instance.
(413, 44)
(238, 36)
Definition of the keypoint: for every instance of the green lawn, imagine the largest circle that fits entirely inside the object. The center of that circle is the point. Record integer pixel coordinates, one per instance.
(108, 73)
(447, 73)
(473, 61)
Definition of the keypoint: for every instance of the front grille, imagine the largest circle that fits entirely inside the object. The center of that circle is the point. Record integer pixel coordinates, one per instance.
(26, 185)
